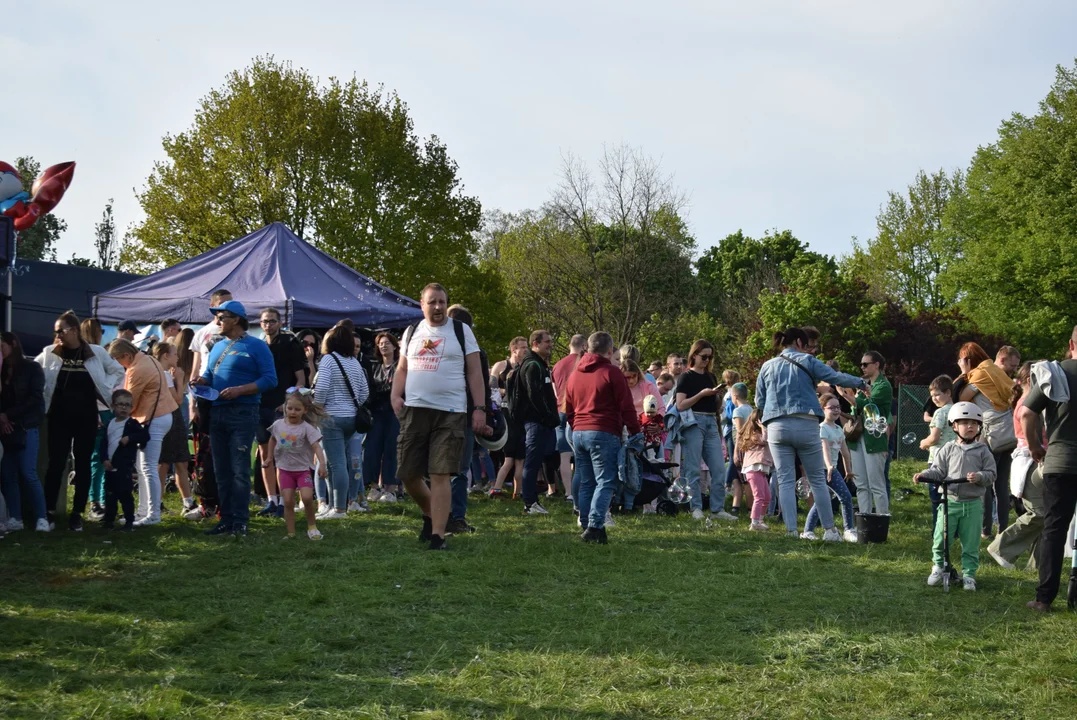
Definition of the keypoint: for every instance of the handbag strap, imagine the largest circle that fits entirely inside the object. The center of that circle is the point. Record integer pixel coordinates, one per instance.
(802, 368)
(346, 380)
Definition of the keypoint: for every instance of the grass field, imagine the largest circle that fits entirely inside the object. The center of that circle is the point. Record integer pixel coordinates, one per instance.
(521, 620)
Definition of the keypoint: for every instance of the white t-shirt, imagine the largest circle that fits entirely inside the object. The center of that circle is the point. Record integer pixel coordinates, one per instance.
(115, 434)
(201, 335)
(832, 435)
(436, 367)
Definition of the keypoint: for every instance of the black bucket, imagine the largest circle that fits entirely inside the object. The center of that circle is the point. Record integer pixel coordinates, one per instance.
(872, 528)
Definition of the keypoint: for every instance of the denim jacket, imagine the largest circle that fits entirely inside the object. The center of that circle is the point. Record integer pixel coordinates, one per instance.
(784, 389)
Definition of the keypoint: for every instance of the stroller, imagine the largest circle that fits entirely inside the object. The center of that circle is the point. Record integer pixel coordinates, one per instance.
(655, 483)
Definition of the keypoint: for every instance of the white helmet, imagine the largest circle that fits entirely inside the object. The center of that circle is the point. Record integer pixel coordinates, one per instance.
(965, 411)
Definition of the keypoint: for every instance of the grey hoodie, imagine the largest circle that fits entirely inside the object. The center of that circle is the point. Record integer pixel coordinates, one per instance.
(955, 460)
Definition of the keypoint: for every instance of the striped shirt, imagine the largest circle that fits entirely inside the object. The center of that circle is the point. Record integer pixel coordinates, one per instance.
(331, 391)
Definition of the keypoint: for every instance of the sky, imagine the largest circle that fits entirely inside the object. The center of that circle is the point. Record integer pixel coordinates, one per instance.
(796, 115)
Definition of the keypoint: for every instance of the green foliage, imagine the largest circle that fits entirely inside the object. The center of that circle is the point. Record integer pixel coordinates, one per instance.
(815, 294)
(661, 335)
(38, 242)
(519, 620)
(1017, 276)
(913, 247)
(339, 164)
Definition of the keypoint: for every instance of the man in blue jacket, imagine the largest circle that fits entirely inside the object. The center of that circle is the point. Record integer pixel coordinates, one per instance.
(239, 368)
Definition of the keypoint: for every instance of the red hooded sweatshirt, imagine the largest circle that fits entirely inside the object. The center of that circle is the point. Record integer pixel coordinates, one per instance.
(598, 398)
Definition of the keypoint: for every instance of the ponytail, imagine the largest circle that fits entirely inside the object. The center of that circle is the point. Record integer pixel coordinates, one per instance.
(782, 340)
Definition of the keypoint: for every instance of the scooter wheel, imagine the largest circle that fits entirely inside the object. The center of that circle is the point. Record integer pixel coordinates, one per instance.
(1071, 592)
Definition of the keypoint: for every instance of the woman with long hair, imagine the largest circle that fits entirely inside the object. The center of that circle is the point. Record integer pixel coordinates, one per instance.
(379, 448)
(77, 375)
(175, 452)
(312, 346)
(340, 387)
(986, 385)
(869, 452)
(153, 405)
(22, 396)
(785, 393)
(185, 362)
(697, 390)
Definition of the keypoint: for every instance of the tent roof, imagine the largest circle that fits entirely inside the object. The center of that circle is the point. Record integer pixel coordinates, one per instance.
(270, 267)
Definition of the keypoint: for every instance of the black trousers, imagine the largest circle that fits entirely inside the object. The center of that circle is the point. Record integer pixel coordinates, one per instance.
(1000, 493)
(1059, 502)
(66, 432)
(118, 485)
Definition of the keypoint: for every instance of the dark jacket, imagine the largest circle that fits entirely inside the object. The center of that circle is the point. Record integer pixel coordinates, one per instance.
(598, 398)
(123, 460)
(24, 395)
(535, 400)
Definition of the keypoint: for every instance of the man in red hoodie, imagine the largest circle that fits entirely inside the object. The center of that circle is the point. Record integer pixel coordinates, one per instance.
(598, 406)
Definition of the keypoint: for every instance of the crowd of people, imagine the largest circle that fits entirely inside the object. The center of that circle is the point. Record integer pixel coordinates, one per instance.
(329, 428)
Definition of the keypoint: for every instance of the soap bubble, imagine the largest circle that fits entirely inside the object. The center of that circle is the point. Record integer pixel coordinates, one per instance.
(908, 438)
(677, 493)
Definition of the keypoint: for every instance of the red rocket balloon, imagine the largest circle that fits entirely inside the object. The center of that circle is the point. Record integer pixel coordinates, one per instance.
(48, 189)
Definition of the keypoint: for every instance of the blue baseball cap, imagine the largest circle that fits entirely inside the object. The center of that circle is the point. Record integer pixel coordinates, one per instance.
(233, 306)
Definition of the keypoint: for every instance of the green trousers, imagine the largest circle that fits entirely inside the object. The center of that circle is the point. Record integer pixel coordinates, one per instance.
(965, 520)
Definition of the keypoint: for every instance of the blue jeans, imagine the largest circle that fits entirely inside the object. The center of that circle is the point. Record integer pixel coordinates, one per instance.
(20, 468)
(336, 432)
(703, 442)
(356, 486)
(596, 468)
(837, 484)
(789, 437)
(379, 449)
(458, 509)
(539, 442)
(731, 473)
(231, 436)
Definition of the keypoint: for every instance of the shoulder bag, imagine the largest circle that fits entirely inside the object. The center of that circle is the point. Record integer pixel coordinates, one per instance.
(363, 419)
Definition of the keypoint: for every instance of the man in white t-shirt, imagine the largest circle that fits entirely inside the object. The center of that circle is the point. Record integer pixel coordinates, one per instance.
(430, 396)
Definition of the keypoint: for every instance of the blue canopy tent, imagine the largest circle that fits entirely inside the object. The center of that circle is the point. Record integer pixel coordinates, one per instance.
(270, 267)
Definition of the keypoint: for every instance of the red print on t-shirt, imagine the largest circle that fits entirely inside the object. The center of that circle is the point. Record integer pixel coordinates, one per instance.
(429, 356)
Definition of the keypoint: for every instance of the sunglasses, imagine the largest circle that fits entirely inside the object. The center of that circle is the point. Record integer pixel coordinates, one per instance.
(864, 365)
(707, 356)
(302, 391)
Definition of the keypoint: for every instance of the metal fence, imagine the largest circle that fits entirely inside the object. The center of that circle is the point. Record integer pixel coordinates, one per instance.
(911, 428)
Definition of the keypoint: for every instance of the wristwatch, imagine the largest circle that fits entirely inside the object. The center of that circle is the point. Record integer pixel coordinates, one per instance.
(481, 407)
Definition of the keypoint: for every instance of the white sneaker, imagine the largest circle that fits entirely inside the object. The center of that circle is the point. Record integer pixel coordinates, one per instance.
(151, 520)
(194, 513)
(609, 520)
(43, 525)
(723, 515)
(697, 514)
(969, 583)
(758, 526)
(13, 525)
(323, 508)
(356, 507)
(333, 515)
(832, 535)
(649, 509)
(936, 576)
(850, 536)
(1003, 562)
(536, 508)
(808, 536)
(387, 497)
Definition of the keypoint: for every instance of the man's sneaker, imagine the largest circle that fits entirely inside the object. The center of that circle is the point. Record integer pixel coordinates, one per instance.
(269, 509)
(14, 525)
(221, 528)
(536, 508)
(333, 515)
(314, 534)
(697, 514)
(849, 536)
(74, 523)
(723, 515)
(458, 526)
(239, 530)
(356, 507)
(609, 522)
(594, 535)
(832, 535)
(1003, 562)
(437, 543)
(936, 576)
(43, 525)
(969, 583)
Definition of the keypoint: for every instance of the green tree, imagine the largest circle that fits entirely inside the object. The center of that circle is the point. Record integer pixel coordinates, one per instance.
(38, 242)
(661, 335)
(339, 164)
(1016, 275)
(913, 246)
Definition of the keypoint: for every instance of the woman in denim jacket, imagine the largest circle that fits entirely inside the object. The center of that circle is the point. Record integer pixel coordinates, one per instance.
(785, 392)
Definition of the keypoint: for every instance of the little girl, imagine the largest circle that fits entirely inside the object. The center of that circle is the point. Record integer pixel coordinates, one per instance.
(834, 446)
(753, 454)
(175, 452)
(294, 443)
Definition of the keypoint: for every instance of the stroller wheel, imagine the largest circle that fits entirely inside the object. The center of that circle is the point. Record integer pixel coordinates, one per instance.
(666, 507)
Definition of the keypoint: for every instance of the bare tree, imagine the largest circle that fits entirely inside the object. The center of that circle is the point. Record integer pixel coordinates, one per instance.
(107, 242)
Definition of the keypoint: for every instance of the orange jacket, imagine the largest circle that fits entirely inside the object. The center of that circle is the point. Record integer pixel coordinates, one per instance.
(145, 380)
